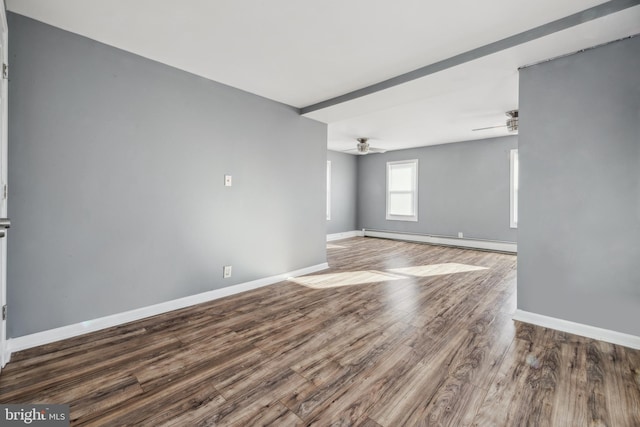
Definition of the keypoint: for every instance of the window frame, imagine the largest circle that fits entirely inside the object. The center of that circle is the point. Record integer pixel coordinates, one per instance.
(395, 217)
(328, 190)
(514, 187)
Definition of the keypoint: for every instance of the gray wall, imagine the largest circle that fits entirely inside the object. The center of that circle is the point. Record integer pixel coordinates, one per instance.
(579, 225)
(116, 181)
(344, 187)
(462, 186)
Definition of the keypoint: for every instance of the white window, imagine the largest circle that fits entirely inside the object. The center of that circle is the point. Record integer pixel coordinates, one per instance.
(402, 190)
(514, 188)
(328, 189)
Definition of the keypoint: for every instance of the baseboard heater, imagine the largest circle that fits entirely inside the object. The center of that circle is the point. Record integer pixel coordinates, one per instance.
(489, 245)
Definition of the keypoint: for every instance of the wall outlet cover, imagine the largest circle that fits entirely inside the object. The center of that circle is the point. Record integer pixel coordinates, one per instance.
(226, 272)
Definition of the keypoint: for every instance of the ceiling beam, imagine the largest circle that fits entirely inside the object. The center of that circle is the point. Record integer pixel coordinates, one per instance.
(586, 15)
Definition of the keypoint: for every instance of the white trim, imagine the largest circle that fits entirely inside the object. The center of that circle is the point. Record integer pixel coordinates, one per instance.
(596, 333)
(345, 235)
(513, 195)
(447, 241)
(413, 192)
(70, 331)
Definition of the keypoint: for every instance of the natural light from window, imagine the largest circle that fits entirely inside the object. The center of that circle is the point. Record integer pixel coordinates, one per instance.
(334, 246)
(347, 278)
(328, 190)
(436, 269)
(402, 190)
(350, 278)
(514, 184)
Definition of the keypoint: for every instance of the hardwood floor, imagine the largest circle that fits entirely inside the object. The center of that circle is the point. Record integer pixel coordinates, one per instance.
(394, 334)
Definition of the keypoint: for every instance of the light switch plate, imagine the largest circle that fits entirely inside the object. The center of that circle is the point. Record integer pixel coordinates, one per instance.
(227, 181)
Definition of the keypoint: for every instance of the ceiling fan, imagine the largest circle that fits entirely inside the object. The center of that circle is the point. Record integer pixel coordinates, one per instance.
(362, 148)
(511, 125)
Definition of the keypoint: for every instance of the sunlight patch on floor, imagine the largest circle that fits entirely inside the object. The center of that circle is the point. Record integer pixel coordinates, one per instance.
(436, 269)
(334, 246)
(347, 278)
(350, 278)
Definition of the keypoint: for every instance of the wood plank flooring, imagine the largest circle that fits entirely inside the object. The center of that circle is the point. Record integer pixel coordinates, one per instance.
(394, 334)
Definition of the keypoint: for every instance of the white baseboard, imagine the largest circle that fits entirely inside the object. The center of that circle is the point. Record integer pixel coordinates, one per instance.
(447, 241)
(70, 331)
(606, 335)
(344, 235)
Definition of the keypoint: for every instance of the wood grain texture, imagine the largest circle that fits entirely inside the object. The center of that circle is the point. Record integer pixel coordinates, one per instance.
(394, 334)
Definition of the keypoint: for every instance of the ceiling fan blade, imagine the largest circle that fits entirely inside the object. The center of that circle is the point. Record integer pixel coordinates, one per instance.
(377, 150)
(490, 127)
(354, 151)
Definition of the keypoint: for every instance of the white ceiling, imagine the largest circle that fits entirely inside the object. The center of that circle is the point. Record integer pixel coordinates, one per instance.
(301, 53)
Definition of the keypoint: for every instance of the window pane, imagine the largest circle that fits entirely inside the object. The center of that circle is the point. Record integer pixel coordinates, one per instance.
(402, 190)
(516, 166)
(515, 207)
(401, 177)
(329, 189)
(515, 172)
(401, 204)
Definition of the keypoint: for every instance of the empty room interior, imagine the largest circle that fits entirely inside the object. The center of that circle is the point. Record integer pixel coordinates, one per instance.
(321, 213)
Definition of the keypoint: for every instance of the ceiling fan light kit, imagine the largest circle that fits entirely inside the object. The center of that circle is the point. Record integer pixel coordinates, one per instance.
(512, 121)
(363, 145)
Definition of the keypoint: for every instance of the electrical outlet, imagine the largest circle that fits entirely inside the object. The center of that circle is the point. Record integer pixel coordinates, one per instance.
(460, 235)
(227, 180)
(226, 272)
